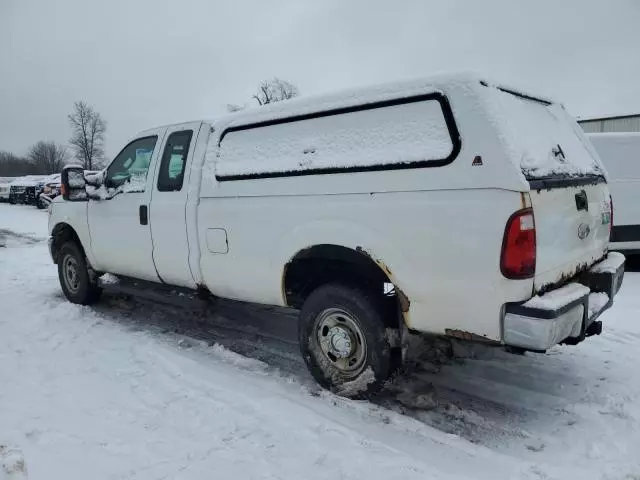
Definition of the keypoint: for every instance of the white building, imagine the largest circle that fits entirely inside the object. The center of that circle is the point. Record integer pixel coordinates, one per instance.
(614, 123)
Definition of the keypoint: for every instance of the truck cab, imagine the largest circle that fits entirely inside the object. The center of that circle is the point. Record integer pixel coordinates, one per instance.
(144, 189)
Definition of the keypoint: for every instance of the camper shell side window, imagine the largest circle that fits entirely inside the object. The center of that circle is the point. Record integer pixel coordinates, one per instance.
(402, 133)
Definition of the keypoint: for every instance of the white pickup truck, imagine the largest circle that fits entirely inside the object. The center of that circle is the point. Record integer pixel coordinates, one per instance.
(447, 206)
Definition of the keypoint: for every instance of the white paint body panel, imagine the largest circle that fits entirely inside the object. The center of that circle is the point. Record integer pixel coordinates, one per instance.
(560, 251)
(620, 153)
(73, 214)
(119, 243)
(438, 231)
(168, 220)
(452, 281)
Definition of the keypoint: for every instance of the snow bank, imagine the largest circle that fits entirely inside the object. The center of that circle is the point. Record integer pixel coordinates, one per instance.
(24, 220)
(558, 298)
(92, 393)
(99, 393)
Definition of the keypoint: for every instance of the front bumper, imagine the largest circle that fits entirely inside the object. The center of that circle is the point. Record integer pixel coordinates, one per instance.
(568, 314)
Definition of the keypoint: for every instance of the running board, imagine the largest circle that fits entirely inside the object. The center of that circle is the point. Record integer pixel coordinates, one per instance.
(158, 292)
(182, 297)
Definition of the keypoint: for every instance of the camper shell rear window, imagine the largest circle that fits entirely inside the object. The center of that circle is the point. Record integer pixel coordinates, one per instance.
(410, 132)
(541, 138)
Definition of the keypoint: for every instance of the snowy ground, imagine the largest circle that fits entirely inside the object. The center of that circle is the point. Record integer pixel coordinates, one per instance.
(129, 389)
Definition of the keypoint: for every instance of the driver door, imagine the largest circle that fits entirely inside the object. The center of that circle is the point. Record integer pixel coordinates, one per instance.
(119, 226)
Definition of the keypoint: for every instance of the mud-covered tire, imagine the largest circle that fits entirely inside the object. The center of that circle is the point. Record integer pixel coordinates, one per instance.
(78, 285)
(357, 318)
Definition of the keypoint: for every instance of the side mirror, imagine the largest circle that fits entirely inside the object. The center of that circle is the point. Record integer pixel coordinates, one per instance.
(73, 184)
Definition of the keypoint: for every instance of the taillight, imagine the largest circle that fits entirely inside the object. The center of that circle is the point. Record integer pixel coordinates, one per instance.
(518, 257)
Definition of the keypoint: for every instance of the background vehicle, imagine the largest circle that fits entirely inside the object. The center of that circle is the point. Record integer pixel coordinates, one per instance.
(449, 206)
(24, 189)
(620, 153)
(5, 186)
(48, 189)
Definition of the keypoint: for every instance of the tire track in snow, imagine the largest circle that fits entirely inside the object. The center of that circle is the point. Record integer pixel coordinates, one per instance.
(9, 238)
(465, 407)
(491, 398)
(534, 407)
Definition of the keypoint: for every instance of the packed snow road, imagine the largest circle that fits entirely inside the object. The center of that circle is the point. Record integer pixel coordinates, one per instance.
(131, 389)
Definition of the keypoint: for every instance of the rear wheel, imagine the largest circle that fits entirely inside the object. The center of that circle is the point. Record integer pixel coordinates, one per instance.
(343, 339)
(78, 283)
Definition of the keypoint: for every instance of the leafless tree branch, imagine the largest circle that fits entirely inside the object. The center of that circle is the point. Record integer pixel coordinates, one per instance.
(275, 90)
(12, 165)
(47, 157)
(87, 138)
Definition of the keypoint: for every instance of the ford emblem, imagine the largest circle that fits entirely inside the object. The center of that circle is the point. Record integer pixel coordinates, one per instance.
(583, 231)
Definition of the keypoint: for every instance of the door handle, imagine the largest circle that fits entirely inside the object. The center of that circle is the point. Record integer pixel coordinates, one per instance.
(144, 215)
(581, 201)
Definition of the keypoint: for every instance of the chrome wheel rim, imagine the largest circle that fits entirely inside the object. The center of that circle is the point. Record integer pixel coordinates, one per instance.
(341, 341)
(71, 273)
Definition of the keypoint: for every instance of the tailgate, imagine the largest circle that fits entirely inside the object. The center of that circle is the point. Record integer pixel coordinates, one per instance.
(572, 229)
(568, 191)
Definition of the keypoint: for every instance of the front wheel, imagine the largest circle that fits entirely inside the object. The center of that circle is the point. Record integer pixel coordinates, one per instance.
(343, 339)
(78, 283)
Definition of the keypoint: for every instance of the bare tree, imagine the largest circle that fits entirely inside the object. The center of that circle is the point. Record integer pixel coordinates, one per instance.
(87, 138)
(12, 165)
(47, 157)
(275, 90)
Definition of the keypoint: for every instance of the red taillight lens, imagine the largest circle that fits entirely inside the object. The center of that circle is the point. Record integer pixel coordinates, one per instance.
(518, 258)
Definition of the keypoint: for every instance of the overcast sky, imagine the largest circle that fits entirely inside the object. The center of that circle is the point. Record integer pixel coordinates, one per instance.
(149, 62)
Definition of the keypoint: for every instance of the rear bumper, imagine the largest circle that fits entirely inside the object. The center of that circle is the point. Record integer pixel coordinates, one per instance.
(567, 314)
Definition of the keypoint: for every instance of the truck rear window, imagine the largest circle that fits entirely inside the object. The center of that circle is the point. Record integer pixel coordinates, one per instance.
(542, 139)
(402, 133)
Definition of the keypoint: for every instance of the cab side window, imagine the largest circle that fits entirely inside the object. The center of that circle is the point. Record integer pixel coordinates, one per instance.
(132, 164)
(173, 162)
